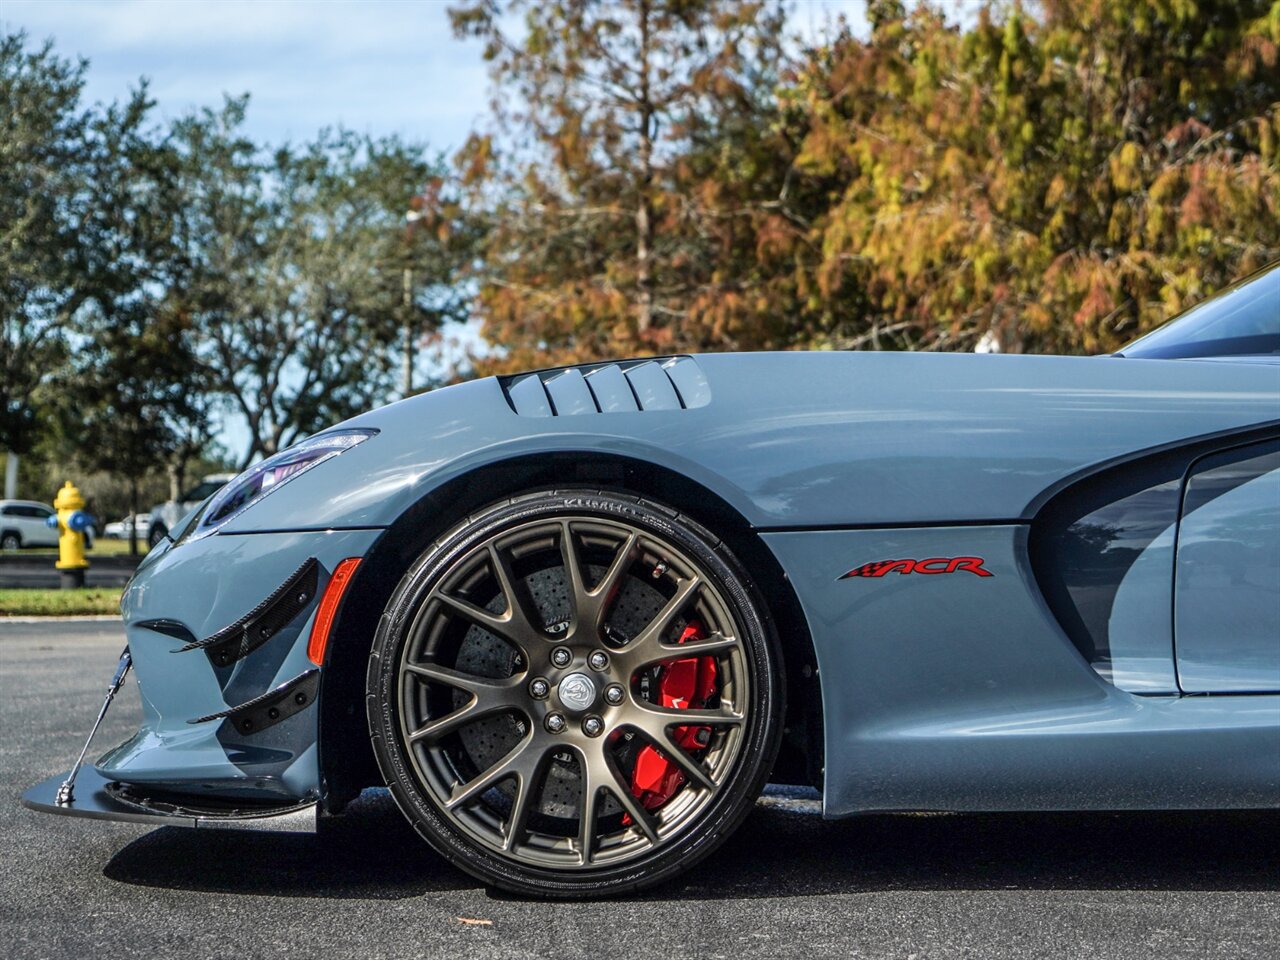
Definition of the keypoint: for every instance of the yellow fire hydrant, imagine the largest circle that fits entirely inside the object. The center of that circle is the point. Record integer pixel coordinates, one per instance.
(72, 522)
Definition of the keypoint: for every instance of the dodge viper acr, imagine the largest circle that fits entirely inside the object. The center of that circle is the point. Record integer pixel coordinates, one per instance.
(576, 619)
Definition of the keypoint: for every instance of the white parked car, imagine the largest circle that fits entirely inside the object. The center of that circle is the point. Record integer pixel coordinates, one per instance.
(166, 516)
(25, 523)
(120, 529)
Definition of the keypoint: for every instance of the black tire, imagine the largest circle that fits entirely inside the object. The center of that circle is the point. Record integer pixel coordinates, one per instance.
(523, 843)
(10, 540)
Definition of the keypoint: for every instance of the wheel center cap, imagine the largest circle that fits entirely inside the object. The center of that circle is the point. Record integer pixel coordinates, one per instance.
(577, 691)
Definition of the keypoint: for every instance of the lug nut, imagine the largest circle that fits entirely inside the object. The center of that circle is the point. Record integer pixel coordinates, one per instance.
(593, 726)
(555, 722)
(539, 689)
(613, 694)
(598, 660)
(561, 656)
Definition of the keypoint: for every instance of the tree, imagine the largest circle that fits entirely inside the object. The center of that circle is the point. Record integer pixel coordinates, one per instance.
(1058, 178)
(295, 267)
(85, 251)
(134, 405)
(42, 193)
(643, 201)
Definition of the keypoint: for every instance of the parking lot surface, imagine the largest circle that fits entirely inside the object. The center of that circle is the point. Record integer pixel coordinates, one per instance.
(789, 884)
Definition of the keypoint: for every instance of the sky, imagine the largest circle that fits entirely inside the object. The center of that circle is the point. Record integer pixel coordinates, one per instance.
(377, 67)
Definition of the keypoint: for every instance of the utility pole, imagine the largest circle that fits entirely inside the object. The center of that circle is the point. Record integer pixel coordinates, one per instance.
(11, 476)
(408, 331)
(411, 219)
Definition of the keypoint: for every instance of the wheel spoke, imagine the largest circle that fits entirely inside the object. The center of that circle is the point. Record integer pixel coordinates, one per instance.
(608, 586)
(641, 817)
(655, 652)
(574, 573)
(600, 772)
(488, 696)
(466, 682)
(515, 612)
(438, 727)
(587, 816)
(647, 646)
(660, 717)
(655, 724)
(591, 604)
(499, 623)
(513, 623)
(528, 786)
(514, 763)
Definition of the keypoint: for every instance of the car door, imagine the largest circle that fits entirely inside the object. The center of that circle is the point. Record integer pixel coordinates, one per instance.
(1227, 573)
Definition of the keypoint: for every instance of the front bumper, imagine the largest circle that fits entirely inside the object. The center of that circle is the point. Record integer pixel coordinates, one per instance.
(97, 798)
(218, 631)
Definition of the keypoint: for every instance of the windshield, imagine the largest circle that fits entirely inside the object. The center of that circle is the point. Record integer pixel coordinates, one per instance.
(1242, 320)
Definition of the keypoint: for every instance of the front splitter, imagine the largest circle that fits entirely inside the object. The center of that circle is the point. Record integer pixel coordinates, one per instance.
(98, 799)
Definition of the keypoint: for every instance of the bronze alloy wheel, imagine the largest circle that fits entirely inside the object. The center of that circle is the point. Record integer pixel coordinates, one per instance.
(574, 694)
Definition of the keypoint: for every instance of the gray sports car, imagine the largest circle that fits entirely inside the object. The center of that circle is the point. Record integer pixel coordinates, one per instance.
(576, 619)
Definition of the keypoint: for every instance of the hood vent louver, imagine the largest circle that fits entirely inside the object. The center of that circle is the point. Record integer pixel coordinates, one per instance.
(628, 386)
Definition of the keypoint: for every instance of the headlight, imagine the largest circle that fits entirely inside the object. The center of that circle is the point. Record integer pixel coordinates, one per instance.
(266, 477)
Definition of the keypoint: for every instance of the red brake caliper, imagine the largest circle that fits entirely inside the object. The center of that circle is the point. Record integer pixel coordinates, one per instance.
(682, 684)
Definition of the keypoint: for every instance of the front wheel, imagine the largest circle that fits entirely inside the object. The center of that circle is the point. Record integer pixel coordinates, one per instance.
(10, 541)
(575, 694)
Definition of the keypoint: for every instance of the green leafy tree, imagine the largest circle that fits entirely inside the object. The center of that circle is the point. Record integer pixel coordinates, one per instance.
(295, 270)
(43, 174)
(87, 199)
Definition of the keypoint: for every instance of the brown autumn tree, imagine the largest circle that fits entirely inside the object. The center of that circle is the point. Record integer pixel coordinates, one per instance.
(1058, 178)
(643, 166)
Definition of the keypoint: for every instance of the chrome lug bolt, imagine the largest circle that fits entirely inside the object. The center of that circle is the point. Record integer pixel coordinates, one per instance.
(539, 688)
(598, 660)
(613, 694)
(593, 726)
(561, 656)
(555, 722)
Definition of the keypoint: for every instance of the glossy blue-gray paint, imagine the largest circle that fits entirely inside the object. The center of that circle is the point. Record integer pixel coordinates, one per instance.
(962, 693)
(939, 692)
(205, 585)
(817, 439)
(1227, 596)
(1140, 629)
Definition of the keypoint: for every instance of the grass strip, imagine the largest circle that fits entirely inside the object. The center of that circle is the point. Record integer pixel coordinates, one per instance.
(59, 603)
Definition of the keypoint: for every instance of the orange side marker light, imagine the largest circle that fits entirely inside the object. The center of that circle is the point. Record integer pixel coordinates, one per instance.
(329, 603)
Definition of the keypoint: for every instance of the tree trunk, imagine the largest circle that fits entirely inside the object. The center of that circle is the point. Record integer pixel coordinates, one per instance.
(133, 518)
(175, 471)
(11, 476)
(644, 209)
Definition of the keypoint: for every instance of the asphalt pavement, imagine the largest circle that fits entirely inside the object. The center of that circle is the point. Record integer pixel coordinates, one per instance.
(788, 884)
